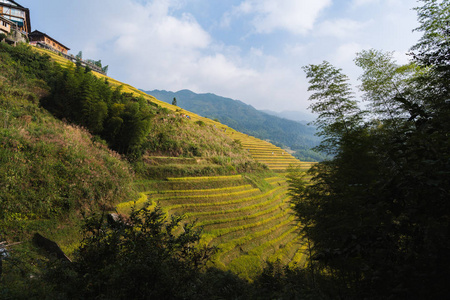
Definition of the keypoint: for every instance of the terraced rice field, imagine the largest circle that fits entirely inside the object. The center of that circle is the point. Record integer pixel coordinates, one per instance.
(250, 223)
(275, 158)
(247, 224)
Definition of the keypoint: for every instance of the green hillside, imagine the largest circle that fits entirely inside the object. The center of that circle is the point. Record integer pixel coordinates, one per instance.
(245, 118)
(247, 217)
(74, 143)
(150, 201)
(147, 200)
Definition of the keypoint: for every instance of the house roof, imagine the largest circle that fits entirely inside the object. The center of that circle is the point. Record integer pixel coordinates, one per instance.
(38, 33)
(13, 2)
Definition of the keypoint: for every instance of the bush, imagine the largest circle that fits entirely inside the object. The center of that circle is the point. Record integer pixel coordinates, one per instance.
(140, 256)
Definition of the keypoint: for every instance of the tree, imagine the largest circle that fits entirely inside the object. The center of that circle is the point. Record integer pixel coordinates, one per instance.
(382, 80)
(334, 103)
(434, 45)
(378, 213)
(174, 101)
(140, 256)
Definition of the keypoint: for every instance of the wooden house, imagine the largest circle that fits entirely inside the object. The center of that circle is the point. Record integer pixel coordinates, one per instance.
(16, 13)
(12, 33)
(5, 26)
(37, 37)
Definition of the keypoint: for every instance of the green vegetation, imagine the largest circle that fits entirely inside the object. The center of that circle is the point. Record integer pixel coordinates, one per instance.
(374, 217)
(377, 214)
(59, 173)
(48, 168)
(130, 124)
(244, 118)
(246, 221)
(81, 98)
(139, 255)
(144, 255)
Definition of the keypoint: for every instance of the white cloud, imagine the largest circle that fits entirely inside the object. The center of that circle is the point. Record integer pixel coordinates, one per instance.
(152, 26)
(217, 70)
(295, 49)
(359, 3)
(341, 28)
(401, 57)
(149, 45)
(295, 16)
(345, 53)
(153, 49)
(167, 44)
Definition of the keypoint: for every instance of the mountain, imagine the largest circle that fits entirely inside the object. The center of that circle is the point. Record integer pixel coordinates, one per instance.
(298, 116)
(245, 118)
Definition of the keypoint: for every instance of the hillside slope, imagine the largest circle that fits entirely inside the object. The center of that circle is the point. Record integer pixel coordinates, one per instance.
(244, 139)
(50, 171)
(247, 119)
(191, 166)
(248, 217)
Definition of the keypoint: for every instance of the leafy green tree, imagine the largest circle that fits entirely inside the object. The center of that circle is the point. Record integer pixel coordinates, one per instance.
(434, 45)
(174, 101)
(142, 257)
(382, 81)
(378, 213)
(334, 103)
(120, 118)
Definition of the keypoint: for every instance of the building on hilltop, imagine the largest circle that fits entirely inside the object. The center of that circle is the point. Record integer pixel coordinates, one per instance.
(16, 13)
(10, 32)
(15, 27)
(5, 26)
(38, 38)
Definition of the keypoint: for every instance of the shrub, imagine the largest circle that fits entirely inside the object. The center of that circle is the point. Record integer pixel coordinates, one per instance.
(140, 256)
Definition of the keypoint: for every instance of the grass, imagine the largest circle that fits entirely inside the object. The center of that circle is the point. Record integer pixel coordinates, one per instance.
(49, 169)
(243, 213)
(247, 216)
(253, 146)
(206, 178)
(241, 266)
(204, 172)
(225, 203)
(204, 191)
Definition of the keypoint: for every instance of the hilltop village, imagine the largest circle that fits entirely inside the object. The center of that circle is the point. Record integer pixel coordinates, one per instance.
(15, 27)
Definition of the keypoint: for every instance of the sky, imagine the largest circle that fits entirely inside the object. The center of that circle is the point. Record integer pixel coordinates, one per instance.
(249, 50)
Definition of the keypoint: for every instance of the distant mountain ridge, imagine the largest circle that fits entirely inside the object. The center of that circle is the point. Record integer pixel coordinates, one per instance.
(245, 118)
(298, 116)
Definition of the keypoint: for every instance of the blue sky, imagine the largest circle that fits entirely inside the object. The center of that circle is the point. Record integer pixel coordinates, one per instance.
(250, 50)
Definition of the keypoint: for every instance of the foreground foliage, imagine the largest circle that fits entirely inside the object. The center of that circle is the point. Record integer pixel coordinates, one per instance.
(146, 256)
(378, 214)
(139, 255)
